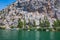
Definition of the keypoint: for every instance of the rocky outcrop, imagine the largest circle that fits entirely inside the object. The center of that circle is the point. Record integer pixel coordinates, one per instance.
(29, 10)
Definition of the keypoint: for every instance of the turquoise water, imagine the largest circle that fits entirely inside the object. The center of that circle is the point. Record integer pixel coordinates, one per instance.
(28, 35)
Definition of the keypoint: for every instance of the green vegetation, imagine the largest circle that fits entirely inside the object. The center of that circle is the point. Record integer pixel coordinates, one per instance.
(47, 24)
(24, 22)
(12, 27)
(20, 23)
(56, 23)
(44, 23)
(2, 27)
(34, 24)
(30, 25)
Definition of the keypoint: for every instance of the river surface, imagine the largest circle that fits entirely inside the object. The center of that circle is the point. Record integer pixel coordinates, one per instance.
(28, 35)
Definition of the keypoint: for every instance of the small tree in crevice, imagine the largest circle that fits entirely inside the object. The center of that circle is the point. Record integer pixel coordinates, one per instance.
(20, 23)
(56, 23)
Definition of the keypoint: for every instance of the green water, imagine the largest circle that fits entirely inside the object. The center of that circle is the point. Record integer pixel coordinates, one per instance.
(28, 35)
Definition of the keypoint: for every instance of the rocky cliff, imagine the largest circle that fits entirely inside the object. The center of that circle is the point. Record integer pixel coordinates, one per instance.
(29, 10)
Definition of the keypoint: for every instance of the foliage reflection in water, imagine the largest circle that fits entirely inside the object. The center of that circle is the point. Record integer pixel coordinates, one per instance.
(28, 35)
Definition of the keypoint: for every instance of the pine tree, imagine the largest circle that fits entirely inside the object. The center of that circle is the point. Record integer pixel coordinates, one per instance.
(45, 22)
(34, 24)
(56, 23)
(20, 23)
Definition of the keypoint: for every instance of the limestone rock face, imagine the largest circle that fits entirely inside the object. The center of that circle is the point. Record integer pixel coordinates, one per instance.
(28, 10)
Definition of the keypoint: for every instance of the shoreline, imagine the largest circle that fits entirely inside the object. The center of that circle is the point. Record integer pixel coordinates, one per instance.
(35, 29)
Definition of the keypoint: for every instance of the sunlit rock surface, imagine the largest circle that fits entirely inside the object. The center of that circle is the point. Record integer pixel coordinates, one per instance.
(30, 10)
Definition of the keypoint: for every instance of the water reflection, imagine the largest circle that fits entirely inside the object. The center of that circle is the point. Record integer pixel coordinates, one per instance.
(28, 35)
(8, 35)
(52, 37)
(37, 35)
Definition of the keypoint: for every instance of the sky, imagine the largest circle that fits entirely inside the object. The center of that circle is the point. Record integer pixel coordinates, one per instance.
(4, 3)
